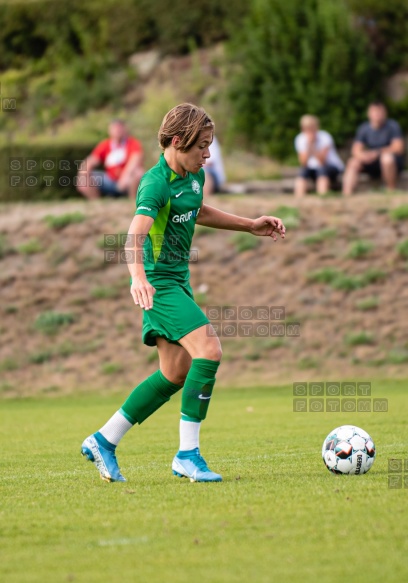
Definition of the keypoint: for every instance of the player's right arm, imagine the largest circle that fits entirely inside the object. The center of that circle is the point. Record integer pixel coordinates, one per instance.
(142, 291)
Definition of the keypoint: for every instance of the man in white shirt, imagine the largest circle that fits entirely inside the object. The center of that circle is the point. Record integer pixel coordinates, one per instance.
(317, 155)
(214, 170)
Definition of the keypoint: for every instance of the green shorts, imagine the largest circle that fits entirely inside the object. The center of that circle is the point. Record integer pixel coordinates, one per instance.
(174, 314)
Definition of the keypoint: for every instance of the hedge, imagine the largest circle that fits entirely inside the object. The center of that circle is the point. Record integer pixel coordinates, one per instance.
(40, 172)
(61, 30)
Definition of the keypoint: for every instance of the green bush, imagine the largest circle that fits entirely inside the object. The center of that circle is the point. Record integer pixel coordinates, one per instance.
(359, 339)
(245, 242)
(345, 281)
(53, 30)
(369, 303)
(320, 236)
(294, 58)
(386, 26)
(58, 222)
(289, 215)
(50, 322)
(110, 368)
(40, 172)
(359, 249)
(30, 247)
(400, 213)
(402, 249)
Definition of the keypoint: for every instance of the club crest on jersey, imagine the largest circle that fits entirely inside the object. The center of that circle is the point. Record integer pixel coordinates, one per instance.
(195, 186)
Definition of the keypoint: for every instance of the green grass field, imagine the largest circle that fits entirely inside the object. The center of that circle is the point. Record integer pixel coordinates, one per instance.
(279, 516)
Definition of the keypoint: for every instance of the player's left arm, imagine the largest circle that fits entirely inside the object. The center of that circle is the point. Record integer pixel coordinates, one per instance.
(265, 226)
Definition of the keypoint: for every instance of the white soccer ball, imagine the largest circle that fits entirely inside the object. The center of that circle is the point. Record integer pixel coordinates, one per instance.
(348, 450)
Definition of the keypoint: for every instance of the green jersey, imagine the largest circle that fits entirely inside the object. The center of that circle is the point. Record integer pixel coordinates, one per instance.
(174, 203)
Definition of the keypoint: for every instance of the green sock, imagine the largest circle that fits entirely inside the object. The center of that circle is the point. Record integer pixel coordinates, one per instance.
(147, 397)
(198, 388)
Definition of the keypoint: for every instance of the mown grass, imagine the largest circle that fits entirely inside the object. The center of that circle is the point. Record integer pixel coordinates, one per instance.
(279, 515)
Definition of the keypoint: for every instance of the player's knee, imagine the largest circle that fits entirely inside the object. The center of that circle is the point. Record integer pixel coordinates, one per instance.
(213, 352)
(176, 375)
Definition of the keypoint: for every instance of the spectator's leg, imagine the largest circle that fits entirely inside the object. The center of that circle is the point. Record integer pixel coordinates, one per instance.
(209, 184)
(323, 185)
(389, 170)
(350, 176)
(85, 187)
(300, 186)
(134, 182)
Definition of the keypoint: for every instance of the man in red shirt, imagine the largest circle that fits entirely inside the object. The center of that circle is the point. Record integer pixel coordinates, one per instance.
(122, 159)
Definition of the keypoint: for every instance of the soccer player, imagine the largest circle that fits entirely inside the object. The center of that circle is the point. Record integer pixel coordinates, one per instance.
(169, 204)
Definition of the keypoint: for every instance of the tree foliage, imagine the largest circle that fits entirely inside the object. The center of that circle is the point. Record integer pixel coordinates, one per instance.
(299, 57)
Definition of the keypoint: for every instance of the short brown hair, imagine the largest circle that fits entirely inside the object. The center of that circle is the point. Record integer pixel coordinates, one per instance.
(185, 121)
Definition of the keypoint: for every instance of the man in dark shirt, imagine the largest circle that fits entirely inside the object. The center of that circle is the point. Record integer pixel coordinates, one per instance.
(378, 150)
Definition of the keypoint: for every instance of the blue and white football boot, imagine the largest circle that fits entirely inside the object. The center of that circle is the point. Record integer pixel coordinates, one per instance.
(190, 464)
(98, 450)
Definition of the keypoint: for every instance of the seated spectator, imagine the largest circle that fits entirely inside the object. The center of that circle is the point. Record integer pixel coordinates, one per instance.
(317, 156)
(122, 159)
(214, 170)
(378, 150)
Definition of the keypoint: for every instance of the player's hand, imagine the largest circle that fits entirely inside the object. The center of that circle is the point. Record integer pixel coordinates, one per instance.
(142, 292)
(268, 227)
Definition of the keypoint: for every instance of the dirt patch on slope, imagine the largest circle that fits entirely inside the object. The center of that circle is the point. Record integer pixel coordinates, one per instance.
(351, 316)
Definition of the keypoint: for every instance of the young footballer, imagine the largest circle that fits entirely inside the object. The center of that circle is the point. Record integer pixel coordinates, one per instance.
(169, 204)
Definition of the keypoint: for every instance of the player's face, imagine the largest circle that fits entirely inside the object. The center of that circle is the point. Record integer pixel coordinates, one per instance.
(377, 114)
(196, 157)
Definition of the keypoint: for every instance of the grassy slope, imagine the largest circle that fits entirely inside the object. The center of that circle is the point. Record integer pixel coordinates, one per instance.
(345, 334)
(278, 516)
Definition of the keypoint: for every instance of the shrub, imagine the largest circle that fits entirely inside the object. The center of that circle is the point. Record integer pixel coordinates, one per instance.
(5, 247)
(111, 368)
(359, 249)
(299, 57)
(359, 338)
(385, 24)
(30, 247)
(50, 322)
(290, 216)
(53, 30)
(105, 292)
(324, 275)
(40, 357)
(244, 242)
(344, 281)
(369, 303)
(400, 213)
(402, 249)
(58, 222)
(398, 356)
(8, 364)
(320, 236)
(52, 177)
